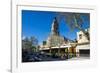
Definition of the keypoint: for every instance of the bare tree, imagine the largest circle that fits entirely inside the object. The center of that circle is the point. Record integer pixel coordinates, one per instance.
(75, 21)
(30, 43)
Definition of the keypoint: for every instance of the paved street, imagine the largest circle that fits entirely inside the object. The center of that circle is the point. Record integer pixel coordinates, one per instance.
(42, 56)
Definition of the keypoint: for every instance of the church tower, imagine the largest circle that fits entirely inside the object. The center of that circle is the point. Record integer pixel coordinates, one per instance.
(55, 39)
(55, 27)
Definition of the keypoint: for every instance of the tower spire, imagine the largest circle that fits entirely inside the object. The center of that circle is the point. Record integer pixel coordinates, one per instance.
(55, 27)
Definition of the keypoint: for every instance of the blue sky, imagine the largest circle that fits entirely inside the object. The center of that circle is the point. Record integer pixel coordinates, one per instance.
(38, 24)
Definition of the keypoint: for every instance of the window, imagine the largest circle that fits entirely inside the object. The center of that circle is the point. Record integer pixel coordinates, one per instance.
(80, 36)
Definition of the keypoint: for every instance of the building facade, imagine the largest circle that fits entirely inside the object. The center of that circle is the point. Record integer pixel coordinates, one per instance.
(83, 43)
(55, 43)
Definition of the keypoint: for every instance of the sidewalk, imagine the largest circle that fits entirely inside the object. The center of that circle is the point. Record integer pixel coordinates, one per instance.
(79, 58)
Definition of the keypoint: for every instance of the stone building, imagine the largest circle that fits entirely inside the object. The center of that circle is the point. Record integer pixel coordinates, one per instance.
(58, 44)
(55, 39)
(55, 43)
(83, 43)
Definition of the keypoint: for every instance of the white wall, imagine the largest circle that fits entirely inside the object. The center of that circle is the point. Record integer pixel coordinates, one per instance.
(83, 37)
(5, 34)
